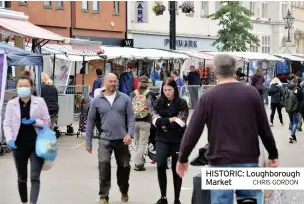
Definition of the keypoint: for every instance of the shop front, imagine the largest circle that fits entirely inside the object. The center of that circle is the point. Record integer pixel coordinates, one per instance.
(104, 40)
(182, 43)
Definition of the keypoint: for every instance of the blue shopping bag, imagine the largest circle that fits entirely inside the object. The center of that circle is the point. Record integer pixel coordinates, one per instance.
(46, 144)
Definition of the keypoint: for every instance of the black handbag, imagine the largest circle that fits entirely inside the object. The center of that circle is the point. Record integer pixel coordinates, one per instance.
(201, 159)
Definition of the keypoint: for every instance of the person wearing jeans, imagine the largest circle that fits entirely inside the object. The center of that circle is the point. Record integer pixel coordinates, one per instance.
(113, 114)
(24, 116)
(227, 146)
(294, 107)
(226, 196)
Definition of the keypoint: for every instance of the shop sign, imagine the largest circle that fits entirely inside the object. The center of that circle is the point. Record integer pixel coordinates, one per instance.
(141, 11)
(183, 43)
(128, 43)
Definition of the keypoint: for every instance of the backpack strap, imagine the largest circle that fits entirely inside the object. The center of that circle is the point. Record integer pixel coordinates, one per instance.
(136, 92)
(146, 92)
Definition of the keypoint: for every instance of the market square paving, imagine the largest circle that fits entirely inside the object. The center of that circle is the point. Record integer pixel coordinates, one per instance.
(74, 178)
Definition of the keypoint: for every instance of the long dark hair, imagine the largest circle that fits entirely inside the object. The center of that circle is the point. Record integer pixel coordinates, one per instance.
(163, 100)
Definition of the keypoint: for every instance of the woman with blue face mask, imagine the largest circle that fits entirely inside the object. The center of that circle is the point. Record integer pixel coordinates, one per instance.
(24, 116)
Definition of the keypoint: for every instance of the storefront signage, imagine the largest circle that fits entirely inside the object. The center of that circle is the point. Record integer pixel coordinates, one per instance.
(128, 43)
(183, 43)
(141, 11)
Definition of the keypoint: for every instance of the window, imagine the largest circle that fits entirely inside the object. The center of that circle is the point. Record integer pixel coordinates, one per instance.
(95, 6)
(59, 4)
(2, 4)
(48, 3)
(265, 10)
(252, 7)
(205, 8)
(254, 49)
(284, 10)
(85, 5)
(217, 5)
(116, 6)
(22, 3)
(266, 44)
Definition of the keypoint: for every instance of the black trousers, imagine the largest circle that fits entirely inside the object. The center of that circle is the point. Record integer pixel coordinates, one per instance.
(274, 107)
(21, 158)
(122, 156)
(163, 151)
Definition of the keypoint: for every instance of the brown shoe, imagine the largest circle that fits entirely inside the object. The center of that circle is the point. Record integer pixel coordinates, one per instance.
(124, 197)
(103, 201)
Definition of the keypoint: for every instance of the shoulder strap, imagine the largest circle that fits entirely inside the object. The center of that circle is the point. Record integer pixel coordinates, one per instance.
(146, 92)
(136, 92)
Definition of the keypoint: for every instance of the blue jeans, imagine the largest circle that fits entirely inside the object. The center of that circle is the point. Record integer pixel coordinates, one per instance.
(226, 196)
(294, 117)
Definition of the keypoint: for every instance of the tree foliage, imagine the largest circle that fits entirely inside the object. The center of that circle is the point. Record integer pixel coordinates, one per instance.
(235, 33)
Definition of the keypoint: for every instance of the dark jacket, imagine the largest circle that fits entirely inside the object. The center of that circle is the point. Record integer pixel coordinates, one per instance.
(50, 94)
(166, 131)
(126, 83)
(258, 82)
(276, 93)
(193, 78)
(298, 92)
(96, 85)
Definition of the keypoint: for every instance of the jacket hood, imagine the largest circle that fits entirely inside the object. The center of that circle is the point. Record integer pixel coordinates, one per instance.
(291, 86)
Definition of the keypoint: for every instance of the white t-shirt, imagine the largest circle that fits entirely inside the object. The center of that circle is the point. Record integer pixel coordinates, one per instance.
(97, 92)
(111, 98)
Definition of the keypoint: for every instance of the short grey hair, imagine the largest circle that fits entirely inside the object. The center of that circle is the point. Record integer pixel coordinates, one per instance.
(225, 65)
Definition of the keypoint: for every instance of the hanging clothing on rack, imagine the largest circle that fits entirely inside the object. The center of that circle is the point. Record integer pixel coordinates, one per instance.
(282, 68)
(126, 83)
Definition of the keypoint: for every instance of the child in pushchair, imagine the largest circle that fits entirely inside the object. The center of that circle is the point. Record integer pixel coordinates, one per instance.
(84, 104)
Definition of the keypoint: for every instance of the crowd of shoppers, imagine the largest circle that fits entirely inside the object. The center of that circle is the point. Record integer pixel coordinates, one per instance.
(119, 118)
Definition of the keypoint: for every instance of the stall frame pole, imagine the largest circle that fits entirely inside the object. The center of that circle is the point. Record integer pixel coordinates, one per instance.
(54, 66)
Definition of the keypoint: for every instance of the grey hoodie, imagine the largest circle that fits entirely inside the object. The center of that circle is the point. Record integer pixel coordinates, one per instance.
(116, 121)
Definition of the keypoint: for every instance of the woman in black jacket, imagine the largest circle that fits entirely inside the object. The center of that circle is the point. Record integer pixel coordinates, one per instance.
(50, 94)
(170, 118)
(276, 93)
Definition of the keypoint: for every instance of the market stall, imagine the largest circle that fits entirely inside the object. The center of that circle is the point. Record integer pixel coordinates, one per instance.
(291, 66)
(12, 56)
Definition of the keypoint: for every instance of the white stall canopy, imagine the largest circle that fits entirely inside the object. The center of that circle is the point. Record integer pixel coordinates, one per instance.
(137, 54)
(251, 55)
(290, 57)
(195, 54)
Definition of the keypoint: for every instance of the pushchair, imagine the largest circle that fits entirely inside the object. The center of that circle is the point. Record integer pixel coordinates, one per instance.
(85, 103)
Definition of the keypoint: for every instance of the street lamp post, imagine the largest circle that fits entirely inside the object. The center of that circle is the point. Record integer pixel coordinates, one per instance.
(289, 19)
(172, 26)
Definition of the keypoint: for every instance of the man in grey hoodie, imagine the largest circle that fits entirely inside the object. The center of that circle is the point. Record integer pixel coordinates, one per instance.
(114, 114)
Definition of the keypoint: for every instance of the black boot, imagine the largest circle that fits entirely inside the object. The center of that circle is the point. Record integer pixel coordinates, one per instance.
(177, 202)
(162, 201)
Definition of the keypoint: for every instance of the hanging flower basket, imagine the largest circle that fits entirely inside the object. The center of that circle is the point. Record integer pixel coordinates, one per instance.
(187, 7)
(158, 9)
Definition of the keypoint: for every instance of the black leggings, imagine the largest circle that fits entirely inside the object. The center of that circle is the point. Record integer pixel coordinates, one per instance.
(163, 151)
(21, 158)
(275, 106)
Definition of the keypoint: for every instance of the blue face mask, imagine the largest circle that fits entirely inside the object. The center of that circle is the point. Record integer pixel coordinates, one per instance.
(24, 92)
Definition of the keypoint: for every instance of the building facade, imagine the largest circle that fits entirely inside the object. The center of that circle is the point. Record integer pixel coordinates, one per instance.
(297, 33)
(197, 31)
(95, 20)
